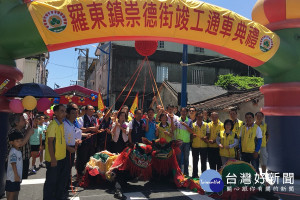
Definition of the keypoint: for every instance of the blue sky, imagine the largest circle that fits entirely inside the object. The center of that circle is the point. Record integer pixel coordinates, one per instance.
(63, 63)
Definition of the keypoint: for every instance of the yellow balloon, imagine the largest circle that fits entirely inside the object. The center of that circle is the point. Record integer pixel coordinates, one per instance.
(29, 102)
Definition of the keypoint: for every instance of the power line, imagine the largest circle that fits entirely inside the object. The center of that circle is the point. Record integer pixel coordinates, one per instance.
(63, 65)
(208, 62)
(214, 60)
(63, 77)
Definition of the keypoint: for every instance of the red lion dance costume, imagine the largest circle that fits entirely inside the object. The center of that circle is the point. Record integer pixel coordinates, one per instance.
(158, 157)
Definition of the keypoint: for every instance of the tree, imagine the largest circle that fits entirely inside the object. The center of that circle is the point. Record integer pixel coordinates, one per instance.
(240, 82)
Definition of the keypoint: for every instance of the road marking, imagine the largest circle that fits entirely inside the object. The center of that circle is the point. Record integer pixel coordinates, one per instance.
(135, 196)
(33, 181)
(194, 195)
(75, 198)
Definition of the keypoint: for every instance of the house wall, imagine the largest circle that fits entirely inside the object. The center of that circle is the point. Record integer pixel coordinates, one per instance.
(167, 97)
(91, 83)
(29, 70)
(173, 47)
(125, 60)
(82, 68)
(243, 109)
(102, 73)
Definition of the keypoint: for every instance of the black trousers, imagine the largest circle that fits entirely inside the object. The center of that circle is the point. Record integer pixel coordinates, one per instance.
(248, 157)
(55, 181)
(104, 142)
(203, 157)
(69, 164)
(214, 158)
(84, 152)
(25, 168)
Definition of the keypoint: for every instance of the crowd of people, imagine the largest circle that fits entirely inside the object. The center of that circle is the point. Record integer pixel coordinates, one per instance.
(76, 134)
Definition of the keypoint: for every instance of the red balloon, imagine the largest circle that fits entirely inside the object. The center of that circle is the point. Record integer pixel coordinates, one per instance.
(16, 106)
(43, 104)
(146, 48)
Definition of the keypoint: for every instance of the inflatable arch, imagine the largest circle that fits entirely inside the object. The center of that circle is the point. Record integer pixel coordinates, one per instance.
(61, 24)
(47, 25)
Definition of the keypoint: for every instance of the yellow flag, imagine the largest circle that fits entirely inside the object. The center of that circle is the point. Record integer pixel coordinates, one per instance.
(101, 105)
(134, 104)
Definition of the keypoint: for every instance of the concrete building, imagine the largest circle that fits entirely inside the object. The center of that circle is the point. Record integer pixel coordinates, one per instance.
(165, 65)
(82, 69)
(34, 69)
(91, 83)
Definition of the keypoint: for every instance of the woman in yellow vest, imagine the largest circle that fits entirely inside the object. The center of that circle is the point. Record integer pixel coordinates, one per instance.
(165, 130)
(227, 140)
(259, 116)
(199, 143)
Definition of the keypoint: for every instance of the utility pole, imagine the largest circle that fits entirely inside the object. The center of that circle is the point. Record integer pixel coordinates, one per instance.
(86, 64)
(184, 76)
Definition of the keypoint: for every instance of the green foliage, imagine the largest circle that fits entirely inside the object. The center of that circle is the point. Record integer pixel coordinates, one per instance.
(240, 82)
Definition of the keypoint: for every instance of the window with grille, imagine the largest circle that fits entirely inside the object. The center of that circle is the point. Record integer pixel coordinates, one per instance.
(198, 50)
(198, 77)
(161, 74)
(161, 44)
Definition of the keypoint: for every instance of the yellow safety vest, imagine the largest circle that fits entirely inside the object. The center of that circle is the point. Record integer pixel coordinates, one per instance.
(200, 132)
(161, 133)
(214, 131)
(263, 128)
(248, 138)
(237, 128)
(225, 141)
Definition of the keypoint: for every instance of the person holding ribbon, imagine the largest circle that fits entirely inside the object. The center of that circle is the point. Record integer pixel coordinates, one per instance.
(73, 138)
(120, 130)
(183, 131)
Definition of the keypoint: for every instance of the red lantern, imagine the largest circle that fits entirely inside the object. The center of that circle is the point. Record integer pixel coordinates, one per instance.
(146, 48)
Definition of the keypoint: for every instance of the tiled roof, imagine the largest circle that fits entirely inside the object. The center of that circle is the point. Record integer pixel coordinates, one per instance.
(230, 100)
(196, 93)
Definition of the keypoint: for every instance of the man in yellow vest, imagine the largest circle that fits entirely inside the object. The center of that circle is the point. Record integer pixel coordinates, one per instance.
(250, 141)
(259, 116)
(215, 127)
(55, 156)
(183, 131)
(236, 129)
(199, 143)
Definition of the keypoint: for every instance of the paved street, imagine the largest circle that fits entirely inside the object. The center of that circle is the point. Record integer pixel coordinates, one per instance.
(32, 189)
